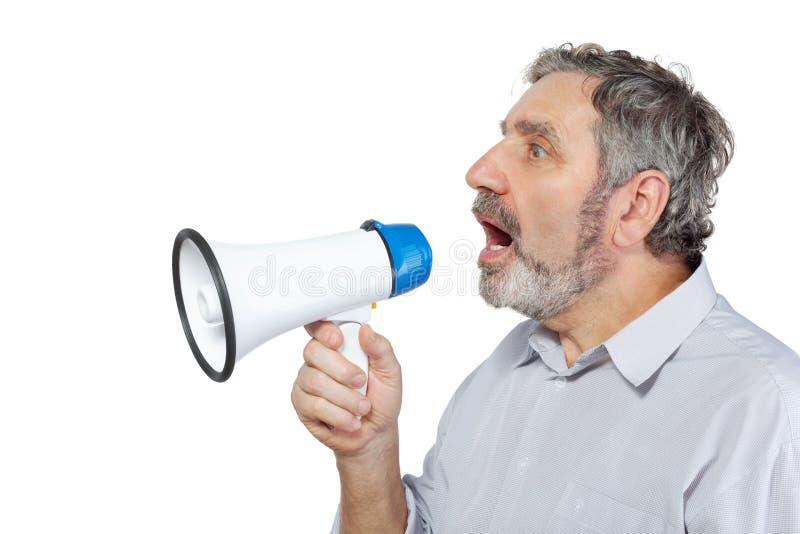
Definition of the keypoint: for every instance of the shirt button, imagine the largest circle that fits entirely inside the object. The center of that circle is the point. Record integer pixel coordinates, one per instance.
(560, 382)
(578, 505)
(523, 464)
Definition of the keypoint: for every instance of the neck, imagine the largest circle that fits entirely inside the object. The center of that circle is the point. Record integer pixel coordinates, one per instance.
(633, 287)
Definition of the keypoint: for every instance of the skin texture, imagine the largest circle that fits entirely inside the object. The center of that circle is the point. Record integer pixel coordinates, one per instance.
(367, 451)
(544, 191)
(542, 184)
(538, 188)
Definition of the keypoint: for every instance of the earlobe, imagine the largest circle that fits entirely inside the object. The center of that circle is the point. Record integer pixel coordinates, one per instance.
(641, 202)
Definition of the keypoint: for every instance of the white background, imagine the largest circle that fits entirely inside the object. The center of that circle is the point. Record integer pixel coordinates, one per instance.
(123, 122)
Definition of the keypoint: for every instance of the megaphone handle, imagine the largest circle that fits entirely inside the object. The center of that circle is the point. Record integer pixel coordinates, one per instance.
(351, 348)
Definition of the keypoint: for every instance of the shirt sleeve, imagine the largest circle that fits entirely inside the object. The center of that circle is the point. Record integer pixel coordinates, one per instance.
(421, 491)
(766, 499)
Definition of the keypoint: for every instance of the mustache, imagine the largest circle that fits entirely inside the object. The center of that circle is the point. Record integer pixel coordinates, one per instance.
(491, 205)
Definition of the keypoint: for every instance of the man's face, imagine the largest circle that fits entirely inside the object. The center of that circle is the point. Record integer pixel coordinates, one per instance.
(539, 204)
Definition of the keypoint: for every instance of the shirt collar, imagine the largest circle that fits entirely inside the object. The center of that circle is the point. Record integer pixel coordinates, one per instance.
(642, 346)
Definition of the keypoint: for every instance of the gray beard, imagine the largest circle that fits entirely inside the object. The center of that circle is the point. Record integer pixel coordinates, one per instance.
(541, 291)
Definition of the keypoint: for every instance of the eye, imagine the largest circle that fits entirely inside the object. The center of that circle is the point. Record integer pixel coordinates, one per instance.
(537, 151)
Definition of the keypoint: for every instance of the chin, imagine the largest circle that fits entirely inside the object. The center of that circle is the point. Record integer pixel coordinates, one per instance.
(536, 291)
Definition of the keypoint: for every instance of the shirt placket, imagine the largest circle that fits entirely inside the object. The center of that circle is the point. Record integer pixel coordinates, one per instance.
(554, 390)
(522, 465)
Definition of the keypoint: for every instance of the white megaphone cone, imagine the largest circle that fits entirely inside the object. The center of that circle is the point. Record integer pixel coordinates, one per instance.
(233, 298)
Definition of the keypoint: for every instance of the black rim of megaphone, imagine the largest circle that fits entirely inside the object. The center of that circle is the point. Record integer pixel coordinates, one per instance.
(222, 292)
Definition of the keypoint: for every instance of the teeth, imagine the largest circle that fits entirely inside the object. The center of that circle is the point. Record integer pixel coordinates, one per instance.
(496, 247)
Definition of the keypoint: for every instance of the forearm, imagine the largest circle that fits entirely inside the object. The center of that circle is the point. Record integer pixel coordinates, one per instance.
(372, 492)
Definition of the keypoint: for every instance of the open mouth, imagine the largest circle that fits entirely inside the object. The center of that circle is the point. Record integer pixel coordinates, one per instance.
(498, 241)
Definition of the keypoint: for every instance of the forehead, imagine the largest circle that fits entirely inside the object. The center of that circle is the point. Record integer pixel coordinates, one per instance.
(562, 99)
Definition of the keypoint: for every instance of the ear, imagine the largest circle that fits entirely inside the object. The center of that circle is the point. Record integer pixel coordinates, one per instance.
(638, 206)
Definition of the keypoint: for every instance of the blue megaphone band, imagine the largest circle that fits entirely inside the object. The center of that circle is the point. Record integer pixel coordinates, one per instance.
(409, 253)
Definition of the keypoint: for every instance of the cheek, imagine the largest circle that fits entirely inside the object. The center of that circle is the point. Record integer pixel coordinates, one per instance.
(548, 223)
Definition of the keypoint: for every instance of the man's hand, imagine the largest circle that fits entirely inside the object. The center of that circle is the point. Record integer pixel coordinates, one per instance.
(327, 401)
(367, 451)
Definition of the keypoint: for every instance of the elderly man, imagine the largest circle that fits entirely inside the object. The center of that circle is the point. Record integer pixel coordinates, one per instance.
(634, 399)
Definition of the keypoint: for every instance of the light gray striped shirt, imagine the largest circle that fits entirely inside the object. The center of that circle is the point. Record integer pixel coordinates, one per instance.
(686, 420)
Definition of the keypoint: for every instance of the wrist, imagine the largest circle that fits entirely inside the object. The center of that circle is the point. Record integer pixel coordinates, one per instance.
(372, 491)
(382, 451)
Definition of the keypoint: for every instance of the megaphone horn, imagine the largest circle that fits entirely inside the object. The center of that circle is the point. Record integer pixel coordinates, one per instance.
(232, 298)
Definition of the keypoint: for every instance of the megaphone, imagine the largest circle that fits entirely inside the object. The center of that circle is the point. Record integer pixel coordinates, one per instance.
(233, 298)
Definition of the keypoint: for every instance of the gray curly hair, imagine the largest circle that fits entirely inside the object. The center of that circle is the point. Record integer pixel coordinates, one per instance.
(651, 118)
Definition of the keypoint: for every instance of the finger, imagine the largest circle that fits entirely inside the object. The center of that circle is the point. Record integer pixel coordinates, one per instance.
(326, 333)
(319, 409)
(378, 349)
(314, 382)
(322, 431)
(333, 364)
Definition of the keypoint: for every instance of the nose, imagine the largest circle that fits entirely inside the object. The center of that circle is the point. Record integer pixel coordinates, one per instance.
(487, 173)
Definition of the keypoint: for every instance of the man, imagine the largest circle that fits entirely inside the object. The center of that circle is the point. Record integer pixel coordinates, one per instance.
(634, 399)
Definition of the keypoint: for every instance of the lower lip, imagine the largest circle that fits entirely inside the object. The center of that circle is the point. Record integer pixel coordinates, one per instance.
(488, 255)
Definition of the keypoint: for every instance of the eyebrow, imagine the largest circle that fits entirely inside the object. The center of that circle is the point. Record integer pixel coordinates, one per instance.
(527, 127)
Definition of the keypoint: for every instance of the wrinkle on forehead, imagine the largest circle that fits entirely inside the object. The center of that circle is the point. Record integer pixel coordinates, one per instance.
(528, 127)
(562, 99)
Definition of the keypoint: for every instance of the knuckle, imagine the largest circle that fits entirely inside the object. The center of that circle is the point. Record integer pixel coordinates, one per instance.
(309, 351)
(345, 371)
(302, 374)
(383, 342)
(344, 421)
(300, 403)
(340, 417)
(315, 380)
(355, 403)
(319, 405)
(305, 380)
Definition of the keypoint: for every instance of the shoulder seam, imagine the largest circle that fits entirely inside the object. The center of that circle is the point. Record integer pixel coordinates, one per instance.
(784, 404)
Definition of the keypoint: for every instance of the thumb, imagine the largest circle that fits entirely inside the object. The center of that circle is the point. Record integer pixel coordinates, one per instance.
(378, 349)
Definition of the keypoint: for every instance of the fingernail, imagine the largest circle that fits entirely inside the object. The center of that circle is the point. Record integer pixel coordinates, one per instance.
(356, 424)
(363, 407)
